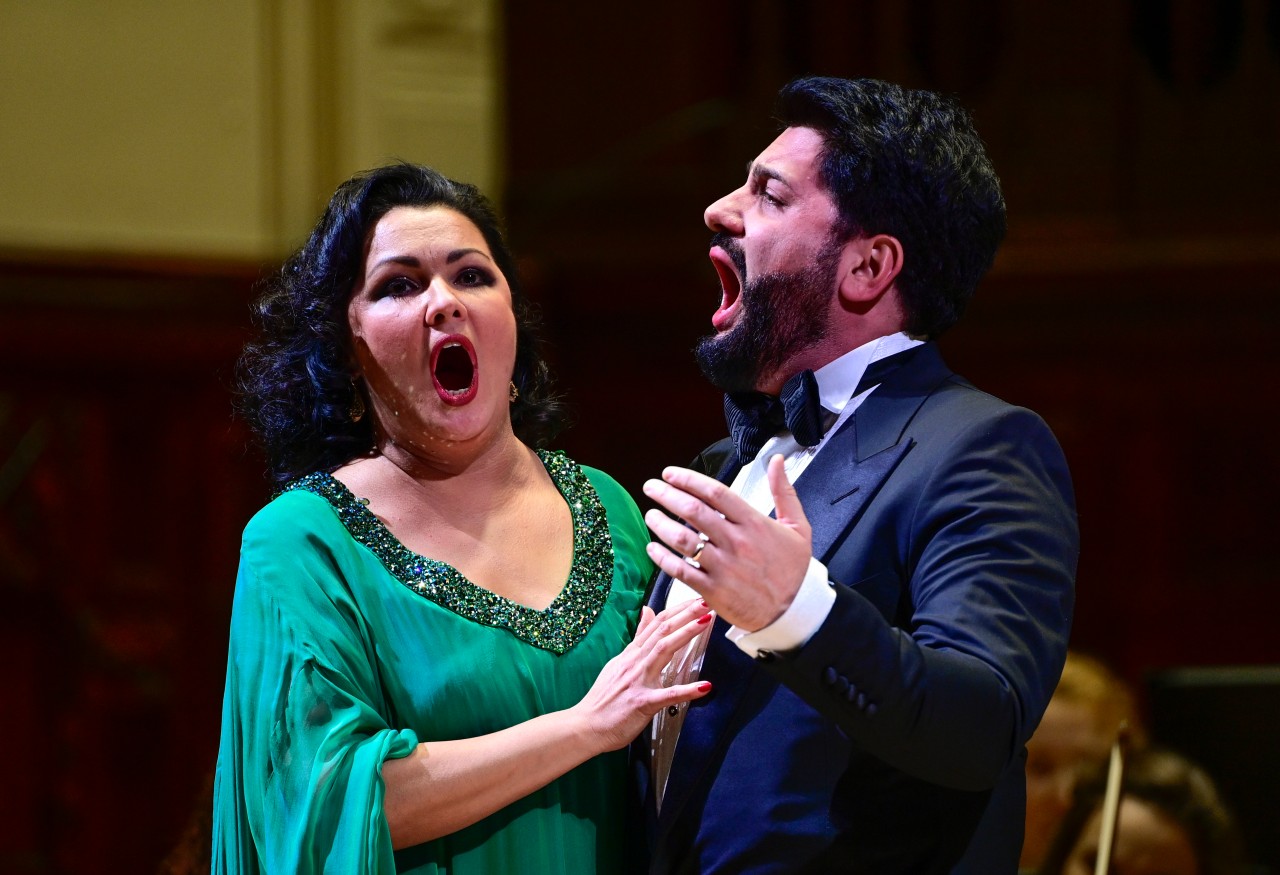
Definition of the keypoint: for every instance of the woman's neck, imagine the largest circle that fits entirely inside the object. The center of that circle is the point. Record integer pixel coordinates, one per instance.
(400, 481)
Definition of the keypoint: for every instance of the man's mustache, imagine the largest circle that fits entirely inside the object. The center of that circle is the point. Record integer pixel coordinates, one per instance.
(732, 248)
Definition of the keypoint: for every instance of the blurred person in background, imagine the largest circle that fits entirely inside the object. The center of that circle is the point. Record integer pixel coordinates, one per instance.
(1082, 721)
(1172, 821)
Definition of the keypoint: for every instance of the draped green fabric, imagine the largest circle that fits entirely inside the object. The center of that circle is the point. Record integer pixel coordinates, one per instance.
(337, 664)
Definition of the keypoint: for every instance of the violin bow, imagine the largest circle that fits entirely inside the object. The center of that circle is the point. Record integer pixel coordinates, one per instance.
(1111, 801)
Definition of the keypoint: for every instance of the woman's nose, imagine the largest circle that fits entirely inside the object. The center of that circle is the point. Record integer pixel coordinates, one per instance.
(443, 304)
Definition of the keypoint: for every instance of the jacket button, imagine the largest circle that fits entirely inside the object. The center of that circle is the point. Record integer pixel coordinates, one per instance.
(829, 676)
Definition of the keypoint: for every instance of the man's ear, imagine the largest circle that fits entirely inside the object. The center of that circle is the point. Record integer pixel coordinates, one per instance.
(870, 265)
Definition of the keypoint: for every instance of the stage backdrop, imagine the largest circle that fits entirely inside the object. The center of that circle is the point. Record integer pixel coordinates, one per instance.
(1135, 306)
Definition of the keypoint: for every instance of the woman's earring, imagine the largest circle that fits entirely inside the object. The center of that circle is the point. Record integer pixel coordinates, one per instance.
(356, 410)
(514, 393)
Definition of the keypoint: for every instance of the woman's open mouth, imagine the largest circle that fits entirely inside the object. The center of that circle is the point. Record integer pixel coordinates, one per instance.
(454, 371)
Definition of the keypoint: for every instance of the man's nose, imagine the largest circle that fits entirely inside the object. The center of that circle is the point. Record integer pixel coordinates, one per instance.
(725, 214)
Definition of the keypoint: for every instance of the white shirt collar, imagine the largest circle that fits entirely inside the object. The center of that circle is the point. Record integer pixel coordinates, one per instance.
(838, 379)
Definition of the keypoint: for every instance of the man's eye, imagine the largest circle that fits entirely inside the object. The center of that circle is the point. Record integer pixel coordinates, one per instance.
(770, 199)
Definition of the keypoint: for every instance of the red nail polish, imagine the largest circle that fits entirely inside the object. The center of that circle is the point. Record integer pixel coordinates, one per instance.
(704, 686)
(704, 619)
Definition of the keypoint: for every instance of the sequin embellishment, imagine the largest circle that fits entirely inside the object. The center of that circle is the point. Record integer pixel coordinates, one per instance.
(559, 626)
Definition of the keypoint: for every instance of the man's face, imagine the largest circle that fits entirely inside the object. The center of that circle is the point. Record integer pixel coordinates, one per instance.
(779, 268)
(782, 315)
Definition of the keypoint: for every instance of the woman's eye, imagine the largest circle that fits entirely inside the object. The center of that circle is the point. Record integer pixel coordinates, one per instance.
(396, 287)
(474, 276)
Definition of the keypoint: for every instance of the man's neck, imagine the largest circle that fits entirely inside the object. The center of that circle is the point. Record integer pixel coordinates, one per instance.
(849, 360)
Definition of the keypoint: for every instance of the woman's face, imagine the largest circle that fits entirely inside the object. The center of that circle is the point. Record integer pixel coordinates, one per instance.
(1067, 739)
(433, 331)
(1147, 842)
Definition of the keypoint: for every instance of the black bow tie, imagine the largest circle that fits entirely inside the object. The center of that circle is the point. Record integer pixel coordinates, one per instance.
(754, 417)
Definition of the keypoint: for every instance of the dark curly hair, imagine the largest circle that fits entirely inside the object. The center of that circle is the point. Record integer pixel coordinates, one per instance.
(908, 164)
(294, 384)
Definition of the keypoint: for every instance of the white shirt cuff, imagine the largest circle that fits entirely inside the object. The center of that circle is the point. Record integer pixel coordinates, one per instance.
(798, 623)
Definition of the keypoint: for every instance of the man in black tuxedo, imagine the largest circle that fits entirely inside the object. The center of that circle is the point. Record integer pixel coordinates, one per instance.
(891, 626)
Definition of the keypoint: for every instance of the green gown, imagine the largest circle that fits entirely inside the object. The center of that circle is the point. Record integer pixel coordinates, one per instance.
(348, 649)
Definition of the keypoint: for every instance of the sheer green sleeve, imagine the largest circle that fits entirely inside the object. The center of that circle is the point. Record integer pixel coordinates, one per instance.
(305, 728)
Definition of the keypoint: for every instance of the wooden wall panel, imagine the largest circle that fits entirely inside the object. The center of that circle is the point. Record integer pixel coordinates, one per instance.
(124, 484)
(1158, 400)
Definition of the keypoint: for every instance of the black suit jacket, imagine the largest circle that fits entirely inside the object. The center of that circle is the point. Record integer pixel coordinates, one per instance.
(893, 741)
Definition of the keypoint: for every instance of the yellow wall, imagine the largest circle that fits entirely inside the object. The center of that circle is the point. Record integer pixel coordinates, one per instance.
(193, 128)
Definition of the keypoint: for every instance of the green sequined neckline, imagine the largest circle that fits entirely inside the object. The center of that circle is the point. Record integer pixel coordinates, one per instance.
(556, 628)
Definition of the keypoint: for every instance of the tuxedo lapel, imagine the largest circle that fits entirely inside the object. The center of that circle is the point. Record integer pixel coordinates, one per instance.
(721, 462)
(849, 470)
(834, 489)
(883, 418)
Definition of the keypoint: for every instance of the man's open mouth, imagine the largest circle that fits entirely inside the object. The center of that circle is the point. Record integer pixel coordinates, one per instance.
(730, 264)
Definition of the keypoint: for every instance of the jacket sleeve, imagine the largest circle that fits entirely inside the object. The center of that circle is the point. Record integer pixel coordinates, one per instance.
(949, 684)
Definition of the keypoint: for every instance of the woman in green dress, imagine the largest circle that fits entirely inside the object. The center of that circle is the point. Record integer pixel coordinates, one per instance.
(437, 649)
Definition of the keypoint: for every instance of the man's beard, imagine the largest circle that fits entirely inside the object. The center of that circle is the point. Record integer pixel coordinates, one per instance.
(782, 314)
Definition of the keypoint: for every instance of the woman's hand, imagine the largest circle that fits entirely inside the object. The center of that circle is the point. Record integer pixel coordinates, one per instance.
(629, 691)
(444, 786)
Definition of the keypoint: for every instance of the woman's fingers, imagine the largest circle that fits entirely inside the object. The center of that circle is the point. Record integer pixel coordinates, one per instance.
(644, 627)
(668, 622)
(673, 628)
(678, 693)
(629, 691)
(686, 626)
